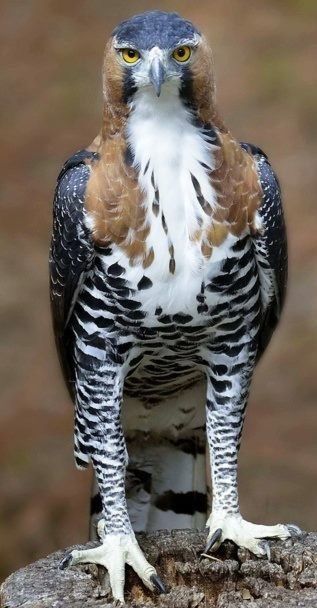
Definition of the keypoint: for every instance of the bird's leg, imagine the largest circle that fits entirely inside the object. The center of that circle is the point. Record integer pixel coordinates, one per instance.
(227, 391)
(99, 437)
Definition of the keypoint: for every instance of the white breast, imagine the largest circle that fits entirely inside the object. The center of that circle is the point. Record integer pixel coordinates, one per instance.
(168, 150)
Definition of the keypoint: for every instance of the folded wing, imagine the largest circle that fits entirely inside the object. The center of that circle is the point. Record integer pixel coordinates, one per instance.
(270, 247)
(72, 252)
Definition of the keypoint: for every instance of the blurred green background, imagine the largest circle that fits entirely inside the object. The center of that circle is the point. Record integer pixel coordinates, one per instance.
(265, 55)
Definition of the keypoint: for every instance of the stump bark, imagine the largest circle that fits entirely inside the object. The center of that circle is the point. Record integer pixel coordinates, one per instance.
(236, 580)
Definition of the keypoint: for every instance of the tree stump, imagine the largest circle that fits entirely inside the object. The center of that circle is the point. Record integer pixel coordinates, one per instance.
(236, 579)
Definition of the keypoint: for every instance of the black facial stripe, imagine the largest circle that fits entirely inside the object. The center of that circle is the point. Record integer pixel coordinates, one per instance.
(186, 89)
(129, 86)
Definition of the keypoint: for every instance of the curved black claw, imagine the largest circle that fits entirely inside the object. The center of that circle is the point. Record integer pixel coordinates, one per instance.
(65, 561)
(213, 540)
(158, 584)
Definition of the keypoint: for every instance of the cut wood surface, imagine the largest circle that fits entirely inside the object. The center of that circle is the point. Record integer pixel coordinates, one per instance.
(235, 579)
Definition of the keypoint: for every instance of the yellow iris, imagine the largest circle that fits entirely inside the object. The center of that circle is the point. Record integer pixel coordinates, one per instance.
(182, 53)
(130, 55)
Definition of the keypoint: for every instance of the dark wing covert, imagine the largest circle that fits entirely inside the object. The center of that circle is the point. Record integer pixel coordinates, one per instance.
(71, 253)
(270, 248)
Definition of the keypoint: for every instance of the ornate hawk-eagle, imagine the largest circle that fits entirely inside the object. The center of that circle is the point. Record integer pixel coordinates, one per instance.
(168, 271)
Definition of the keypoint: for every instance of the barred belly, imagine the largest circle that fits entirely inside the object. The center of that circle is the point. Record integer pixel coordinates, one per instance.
(165, 353)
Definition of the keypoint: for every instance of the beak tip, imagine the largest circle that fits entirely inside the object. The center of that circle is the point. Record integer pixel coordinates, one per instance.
(157, 75)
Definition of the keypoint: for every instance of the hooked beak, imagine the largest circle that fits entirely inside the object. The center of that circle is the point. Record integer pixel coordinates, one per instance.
(157, 74)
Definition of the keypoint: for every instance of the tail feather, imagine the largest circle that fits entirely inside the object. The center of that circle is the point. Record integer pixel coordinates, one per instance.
(165, 484)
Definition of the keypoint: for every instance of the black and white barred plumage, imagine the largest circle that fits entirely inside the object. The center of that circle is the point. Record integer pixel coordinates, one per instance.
(146, 343)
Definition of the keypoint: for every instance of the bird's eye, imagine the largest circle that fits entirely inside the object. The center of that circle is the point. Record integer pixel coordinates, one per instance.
(182, 53)
(130, 55)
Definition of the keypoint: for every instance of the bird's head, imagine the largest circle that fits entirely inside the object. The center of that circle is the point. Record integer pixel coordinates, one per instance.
(158, 51)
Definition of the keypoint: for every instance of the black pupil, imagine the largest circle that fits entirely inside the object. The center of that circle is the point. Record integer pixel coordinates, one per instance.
(131, 54)
(181, 52)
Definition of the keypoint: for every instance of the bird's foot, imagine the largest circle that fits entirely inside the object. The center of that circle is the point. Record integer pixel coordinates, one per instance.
(224, 526)
(115, 551)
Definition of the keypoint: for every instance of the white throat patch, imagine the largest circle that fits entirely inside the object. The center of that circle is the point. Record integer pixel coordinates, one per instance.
(169, 153)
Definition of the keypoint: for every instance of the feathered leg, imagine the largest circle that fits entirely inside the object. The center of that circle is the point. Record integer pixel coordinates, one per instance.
(165, 484)
(99, 438)
(228, 387)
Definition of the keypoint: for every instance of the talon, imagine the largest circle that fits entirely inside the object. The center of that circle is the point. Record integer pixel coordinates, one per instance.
(158, 583)
(216, 559)
(213, 540)
(65, 561)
